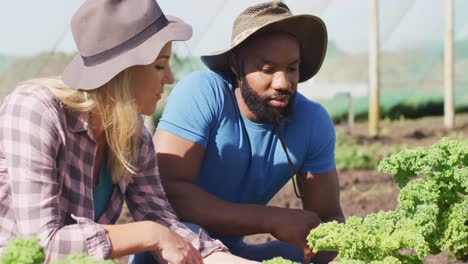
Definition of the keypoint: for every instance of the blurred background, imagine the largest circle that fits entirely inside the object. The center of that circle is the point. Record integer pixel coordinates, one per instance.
(36, 41)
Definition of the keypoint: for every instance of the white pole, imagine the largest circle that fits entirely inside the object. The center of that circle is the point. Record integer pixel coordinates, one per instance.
(374, 93)
(449, 109)
(350, 112)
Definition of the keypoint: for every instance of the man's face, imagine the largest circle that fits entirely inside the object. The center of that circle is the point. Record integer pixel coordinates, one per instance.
(270, 64)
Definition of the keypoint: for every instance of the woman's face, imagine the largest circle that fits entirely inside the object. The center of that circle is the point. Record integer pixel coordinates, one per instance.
(147, 81)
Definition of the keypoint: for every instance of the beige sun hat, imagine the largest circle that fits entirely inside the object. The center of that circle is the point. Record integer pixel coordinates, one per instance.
(309, 30)
(114, 35)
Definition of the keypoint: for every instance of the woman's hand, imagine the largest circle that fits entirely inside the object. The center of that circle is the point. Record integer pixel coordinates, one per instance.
(149, 236)
(174, 249)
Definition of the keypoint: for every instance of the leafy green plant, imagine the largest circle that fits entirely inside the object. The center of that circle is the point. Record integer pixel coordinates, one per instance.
(22, 251)
(278, 260)
(430, 216)
(28, 251)
(352, 156)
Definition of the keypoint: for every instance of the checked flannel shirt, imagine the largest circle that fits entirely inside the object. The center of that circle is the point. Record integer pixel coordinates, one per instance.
(46, 179)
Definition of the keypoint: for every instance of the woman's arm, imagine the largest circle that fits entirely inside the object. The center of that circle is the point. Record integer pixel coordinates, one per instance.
(226, 258)
(131, 238)
(147, 201)
(147, 236)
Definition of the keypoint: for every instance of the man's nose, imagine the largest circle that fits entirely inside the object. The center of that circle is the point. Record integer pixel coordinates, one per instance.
(281, 81)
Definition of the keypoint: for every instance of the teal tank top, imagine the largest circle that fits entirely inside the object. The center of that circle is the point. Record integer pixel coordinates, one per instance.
(102, 192)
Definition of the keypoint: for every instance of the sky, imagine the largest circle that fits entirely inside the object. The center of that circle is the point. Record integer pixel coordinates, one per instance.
(29, 27)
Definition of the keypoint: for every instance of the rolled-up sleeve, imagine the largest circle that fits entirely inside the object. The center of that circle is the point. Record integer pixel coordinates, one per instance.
(146, 199)
(31, 140)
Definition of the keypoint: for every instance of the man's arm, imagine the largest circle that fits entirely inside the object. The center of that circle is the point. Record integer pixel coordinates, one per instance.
(322, 196)
(179, 164)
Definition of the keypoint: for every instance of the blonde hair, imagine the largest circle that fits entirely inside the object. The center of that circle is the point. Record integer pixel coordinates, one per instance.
(121, 123)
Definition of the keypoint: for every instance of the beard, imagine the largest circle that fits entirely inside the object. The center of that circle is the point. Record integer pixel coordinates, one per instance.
(259, 105)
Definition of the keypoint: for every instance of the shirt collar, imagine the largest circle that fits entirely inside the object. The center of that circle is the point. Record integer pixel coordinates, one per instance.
(78, 121)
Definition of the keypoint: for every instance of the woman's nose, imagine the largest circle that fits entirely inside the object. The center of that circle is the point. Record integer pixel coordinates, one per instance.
(170, 76)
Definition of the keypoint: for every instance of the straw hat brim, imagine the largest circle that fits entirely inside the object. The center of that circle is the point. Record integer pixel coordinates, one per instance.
(309, 30)
(79, 76)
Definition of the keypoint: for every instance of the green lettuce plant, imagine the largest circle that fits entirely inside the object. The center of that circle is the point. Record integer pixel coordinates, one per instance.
(28, 251)
(431, 215)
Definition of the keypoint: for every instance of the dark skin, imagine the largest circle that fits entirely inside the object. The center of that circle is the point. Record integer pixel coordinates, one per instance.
(271, 64)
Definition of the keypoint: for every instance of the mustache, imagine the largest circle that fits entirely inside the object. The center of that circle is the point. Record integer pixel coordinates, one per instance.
(281, 95)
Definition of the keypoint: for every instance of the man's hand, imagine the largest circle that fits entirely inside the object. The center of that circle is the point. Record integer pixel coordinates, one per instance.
(292, 226)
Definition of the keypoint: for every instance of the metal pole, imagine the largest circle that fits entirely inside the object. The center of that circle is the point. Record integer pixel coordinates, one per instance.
(374, 93)
(350, 112)
(449, 109)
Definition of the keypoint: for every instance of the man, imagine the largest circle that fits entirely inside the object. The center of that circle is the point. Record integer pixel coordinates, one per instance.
(226, 136)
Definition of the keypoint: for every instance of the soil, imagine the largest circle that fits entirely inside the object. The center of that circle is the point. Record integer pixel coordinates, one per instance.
(366, 191)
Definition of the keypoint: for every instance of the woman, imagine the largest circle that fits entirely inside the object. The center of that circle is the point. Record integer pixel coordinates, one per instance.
(72, 150)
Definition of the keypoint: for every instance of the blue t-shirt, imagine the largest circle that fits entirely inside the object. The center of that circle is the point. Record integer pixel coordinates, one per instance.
(244, 161)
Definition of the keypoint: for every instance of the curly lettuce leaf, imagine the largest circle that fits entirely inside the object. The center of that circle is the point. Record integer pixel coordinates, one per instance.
(23, 251)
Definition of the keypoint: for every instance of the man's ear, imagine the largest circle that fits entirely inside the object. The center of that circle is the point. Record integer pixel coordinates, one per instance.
(233, 64)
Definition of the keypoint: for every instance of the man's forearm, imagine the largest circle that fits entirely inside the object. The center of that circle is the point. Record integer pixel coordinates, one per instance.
(197, 206)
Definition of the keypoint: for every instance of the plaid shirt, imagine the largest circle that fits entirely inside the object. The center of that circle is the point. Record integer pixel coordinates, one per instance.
(47, 157)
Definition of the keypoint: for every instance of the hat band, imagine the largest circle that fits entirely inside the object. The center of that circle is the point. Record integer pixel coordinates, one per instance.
(129, 44)
(242, 35)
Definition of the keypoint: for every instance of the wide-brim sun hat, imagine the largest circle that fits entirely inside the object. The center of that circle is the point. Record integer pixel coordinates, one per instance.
(309, 30)
(112, 36)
